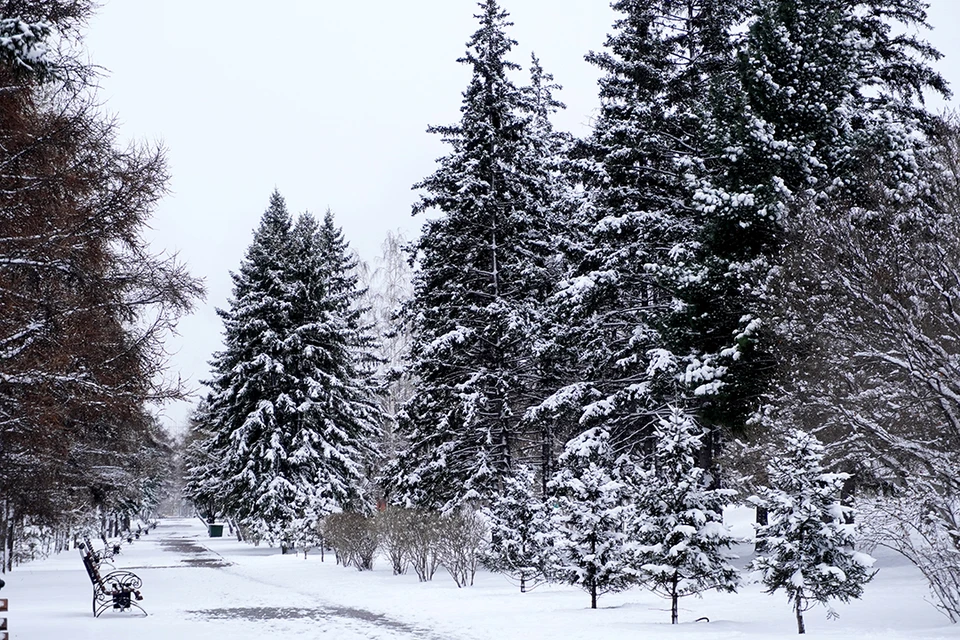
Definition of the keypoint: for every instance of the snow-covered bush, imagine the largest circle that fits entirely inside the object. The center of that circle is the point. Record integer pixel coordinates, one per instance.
(462, 537)
(808, 547)
(31, 541)
(304, 533)
(589, 512)
(517, 527)
(684, 547)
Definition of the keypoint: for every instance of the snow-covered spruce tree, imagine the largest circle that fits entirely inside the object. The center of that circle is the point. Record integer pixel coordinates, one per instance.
(200, 465)
(665, 68)
(332, 333)
(827, 148)
(483, 274)
(683, 545)
(834, 93)
(808, 547)
(825, 103)
(546, 430)
(290, 414)
(517, 521)
(587, 538)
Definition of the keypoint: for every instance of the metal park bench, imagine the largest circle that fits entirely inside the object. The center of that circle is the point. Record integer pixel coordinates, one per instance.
(104, 556)
(118, 590)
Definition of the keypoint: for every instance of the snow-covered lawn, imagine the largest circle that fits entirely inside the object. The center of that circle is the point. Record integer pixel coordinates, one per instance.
(262, 594)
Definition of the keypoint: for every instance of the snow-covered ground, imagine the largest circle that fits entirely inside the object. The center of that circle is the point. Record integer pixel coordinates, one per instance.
(201, 588)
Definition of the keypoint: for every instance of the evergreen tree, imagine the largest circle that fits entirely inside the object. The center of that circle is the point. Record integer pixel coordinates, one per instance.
(289, 413)
(483, 274)
(808, 546)
(588, 540)
(665, 66)
(829, 134)
(684, 546)
(336, 359)
(517, 524)
(708, 137)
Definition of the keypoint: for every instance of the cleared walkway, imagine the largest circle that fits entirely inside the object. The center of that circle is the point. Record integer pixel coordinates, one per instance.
(194, 588)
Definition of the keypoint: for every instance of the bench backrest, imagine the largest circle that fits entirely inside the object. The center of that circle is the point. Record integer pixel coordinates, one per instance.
(90, 564)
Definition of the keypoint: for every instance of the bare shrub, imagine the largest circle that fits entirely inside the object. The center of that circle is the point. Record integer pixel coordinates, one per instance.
(462, 537)
(354, 539)
(424, 527)
(924, 529)
(396, 536)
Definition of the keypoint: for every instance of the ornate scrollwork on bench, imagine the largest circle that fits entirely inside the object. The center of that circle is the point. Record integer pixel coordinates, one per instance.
(118, 590)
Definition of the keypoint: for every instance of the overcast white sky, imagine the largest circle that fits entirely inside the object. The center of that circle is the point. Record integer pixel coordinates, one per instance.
(325, 100)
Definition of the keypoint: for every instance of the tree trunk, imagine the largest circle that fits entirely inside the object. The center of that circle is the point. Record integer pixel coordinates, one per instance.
(3, 536)
(847, 494)
(593, 581)
(5, 518)
(762, 519)
(11, 532)
(546, 456)
(674, 604)
(705, 455)
(800, 628)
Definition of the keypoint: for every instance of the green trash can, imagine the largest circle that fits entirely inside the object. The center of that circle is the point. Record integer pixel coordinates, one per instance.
(216, 530)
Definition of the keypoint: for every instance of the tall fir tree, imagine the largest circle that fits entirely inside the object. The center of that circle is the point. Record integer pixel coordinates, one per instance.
(664, 67)
(483, 274)
(718, 119)
(290, 414)
(829, 121)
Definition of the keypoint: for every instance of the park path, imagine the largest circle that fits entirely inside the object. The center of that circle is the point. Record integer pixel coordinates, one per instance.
(196, 587)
